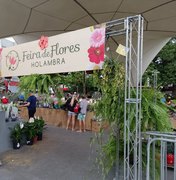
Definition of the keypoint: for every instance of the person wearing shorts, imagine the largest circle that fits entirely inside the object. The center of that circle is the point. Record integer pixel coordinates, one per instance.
(82, 115)
(70, 104)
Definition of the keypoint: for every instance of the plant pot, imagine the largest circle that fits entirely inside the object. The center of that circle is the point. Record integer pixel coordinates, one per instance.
(30, 142)
(35, 139)
(16, 145)
(40, 136)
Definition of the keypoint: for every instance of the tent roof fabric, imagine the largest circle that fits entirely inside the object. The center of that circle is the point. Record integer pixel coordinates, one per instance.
(28, 20)
(36, 17)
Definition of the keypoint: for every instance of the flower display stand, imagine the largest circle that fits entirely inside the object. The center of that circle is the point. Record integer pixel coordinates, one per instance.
(58, 117)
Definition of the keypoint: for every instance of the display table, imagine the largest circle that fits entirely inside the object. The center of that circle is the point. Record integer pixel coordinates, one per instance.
(56, 117)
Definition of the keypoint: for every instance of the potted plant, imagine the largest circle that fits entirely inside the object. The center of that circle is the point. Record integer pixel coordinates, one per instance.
(16, 136)
(30, 132)
(39, 124)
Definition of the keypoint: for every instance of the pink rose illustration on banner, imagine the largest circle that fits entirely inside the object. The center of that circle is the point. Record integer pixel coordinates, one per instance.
(96, 54)
(43, 42)
(97, 45)
(12, 60)
(98, 37)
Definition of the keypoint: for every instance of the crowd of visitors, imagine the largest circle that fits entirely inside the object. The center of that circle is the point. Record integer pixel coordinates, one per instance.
(75, 105)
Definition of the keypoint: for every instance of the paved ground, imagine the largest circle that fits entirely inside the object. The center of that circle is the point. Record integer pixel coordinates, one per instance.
(62, 155)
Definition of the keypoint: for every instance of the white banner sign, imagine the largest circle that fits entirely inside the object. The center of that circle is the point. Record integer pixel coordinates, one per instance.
(79, 50)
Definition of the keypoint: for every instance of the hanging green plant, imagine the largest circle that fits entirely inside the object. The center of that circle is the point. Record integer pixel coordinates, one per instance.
(110, 82)
(110, 107)
(41, 83)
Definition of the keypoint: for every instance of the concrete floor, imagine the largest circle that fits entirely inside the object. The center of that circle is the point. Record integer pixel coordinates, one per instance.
(62, 155)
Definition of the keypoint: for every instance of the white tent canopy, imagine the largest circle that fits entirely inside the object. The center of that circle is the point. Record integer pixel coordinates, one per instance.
(28, 20)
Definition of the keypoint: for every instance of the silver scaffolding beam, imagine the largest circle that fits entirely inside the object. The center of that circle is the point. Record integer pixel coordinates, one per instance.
(132, 29)
(164, 144)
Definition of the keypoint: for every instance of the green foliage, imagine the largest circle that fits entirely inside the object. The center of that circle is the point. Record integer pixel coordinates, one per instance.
(41, 83)
(149, 75)
(110, 82)
(154, 114)
(111, 108)
(79, 82)
(16, 133)
(165, 64)
(39, 125)
(30, 130)
(76, 81)
(73, 80)
(107, 155)
(36, 82)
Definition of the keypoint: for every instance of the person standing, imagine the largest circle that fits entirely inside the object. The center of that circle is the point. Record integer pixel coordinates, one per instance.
(31, 105)
(70, 104)
(82, 114)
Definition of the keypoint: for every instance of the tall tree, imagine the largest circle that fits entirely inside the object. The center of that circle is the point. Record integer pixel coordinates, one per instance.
(165, 64)
(80, 82)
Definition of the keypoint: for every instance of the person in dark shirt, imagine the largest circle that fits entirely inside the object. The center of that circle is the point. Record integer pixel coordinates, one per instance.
(31, 105)
(70, 104)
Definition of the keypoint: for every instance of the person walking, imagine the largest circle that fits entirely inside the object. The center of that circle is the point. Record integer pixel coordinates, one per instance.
(31, 105)
(70, 104)
(82, 114)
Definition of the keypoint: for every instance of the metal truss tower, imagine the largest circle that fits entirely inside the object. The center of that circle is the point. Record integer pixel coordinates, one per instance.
(132, 30)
